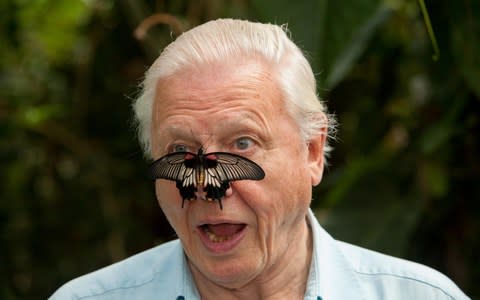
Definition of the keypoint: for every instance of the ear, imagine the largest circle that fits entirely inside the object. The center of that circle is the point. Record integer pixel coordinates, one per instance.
(316, 158)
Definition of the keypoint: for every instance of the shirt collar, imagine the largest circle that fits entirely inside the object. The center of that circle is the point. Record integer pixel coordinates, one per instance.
(331, 276)
(188, 288)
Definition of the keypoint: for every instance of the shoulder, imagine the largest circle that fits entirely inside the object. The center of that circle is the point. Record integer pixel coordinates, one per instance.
(132, 275)
(389, 277)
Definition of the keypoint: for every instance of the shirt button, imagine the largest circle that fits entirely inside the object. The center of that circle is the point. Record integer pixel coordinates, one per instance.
(180, 298)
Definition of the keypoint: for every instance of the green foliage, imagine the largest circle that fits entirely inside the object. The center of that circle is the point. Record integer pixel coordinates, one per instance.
(333, 33)
(402, 178)
(42, 33)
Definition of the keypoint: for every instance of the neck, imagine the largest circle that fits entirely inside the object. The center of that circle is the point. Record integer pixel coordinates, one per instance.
(284, 279)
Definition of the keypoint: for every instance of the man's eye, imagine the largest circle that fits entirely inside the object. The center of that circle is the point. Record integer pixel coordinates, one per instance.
(179, 148)
(243, 143)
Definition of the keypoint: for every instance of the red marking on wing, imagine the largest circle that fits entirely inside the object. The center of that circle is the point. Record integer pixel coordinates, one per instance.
(189, 156)
(211, 156)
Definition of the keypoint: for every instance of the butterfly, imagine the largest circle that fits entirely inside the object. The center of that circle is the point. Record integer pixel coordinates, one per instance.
(204, 176)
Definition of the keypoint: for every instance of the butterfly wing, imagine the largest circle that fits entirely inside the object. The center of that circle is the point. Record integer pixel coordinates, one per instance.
(179, 167)
(171, 166)
(222, 167)
(231, 167)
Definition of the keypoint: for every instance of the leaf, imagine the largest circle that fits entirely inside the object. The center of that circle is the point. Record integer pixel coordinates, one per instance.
(433, 178)
(33, 116)
(350, 52)
(345, 178)
(375, 214)
(333, 33)
(441, 132)
(465, 41)
(41, 21)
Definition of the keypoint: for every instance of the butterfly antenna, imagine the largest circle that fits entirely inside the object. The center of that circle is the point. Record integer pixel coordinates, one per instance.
(220, 203)
(207, 143)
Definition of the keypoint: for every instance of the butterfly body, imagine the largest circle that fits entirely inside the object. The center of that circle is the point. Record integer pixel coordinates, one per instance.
(204, 176)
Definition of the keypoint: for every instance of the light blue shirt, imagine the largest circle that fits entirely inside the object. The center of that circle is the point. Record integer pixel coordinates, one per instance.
(338, 271)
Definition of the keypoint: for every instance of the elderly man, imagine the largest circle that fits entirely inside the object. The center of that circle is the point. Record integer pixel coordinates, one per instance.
(230, 115)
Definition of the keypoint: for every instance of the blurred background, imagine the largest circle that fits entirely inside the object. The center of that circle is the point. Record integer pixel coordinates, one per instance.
(402, 179)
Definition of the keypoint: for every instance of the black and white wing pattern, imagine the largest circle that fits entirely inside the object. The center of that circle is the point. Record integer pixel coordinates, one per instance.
(171, 166)
(231, 167)
(178, 167)
(205, 176)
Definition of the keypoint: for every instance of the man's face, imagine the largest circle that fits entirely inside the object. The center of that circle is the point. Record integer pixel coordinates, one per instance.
(235, 107)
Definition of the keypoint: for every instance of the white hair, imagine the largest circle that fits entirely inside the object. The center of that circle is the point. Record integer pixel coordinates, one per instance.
(225, 39)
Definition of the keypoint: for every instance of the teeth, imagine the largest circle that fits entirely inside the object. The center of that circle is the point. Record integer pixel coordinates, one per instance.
(215, 238)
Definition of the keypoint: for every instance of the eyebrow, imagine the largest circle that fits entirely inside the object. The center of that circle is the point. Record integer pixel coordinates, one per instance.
(240, 124)
(179, 132)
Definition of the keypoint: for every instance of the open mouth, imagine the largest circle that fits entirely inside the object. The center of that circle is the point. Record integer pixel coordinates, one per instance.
(221, 232)
(221, 237)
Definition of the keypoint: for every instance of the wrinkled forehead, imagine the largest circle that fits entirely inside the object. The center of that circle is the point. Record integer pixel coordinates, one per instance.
(217, 83)
(224, 71)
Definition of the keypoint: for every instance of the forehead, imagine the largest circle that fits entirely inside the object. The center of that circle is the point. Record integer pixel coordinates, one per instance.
(218, 77)
(244, 86)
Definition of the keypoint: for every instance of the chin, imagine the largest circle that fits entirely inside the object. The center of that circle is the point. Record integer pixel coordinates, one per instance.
(231, 273)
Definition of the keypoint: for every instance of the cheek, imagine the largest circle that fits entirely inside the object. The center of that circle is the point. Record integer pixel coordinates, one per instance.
(292, 187)
(289, 173)
(279, 195)
(164, 191)
(170, 201)
(292, 180)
